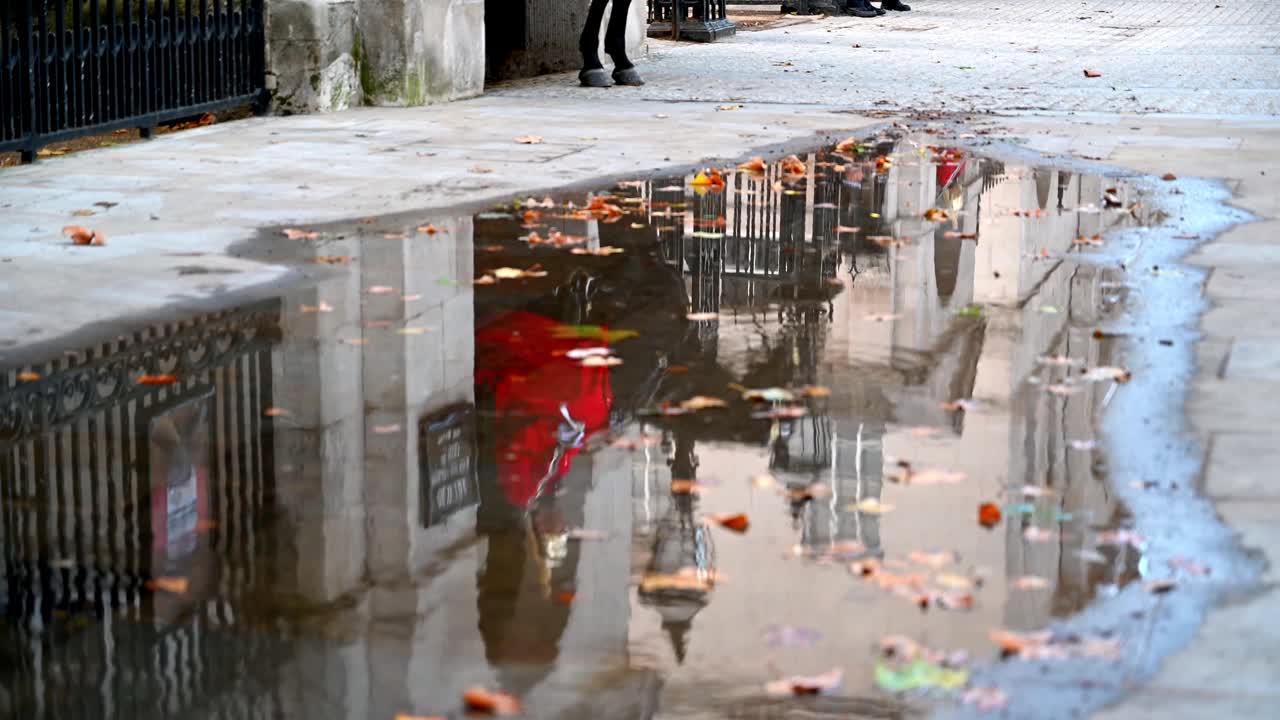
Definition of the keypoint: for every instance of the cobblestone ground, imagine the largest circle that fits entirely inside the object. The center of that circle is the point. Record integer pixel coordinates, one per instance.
(1169, 56)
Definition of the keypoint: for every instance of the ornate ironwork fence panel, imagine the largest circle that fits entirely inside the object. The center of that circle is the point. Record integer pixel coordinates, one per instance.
(696, 20)
(111, 486)
(76, 67)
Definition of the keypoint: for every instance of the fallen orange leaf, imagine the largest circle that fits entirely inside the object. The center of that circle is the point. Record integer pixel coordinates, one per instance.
(296, 234)
(1030, 582)
(28, 377)
(480, 700)
(529, 139)
(1092, 73)
(157, 380)
(84, 236)
(989, 515)
(754, 165)
(737, 523)
(175, 585)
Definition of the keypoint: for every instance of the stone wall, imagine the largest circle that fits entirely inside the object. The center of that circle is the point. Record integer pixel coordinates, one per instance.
(328, 55)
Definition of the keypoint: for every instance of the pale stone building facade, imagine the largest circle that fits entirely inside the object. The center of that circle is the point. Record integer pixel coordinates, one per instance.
(328, 55)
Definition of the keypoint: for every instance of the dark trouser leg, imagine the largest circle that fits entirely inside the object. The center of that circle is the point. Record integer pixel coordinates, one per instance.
(589, 43)
(615, 38)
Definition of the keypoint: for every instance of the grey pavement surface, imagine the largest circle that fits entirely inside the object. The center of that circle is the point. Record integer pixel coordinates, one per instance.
(1188, 88)
(1232, 667)
(1167, 56)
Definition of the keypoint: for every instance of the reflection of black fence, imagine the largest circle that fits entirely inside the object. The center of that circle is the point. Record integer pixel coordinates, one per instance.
(76, 501)
(74, 68)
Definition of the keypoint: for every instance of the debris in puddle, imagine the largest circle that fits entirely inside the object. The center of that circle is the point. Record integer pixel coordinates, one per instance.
(989, 515)
(806, 685)
(736, 522)
(986, 699)
(480, 700)
(919, 674)
(791, 636)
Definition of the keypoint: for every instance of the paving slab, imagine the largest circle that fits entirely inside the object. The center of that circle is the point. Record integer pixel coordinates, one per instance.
(1253, 359)
(1244, 466)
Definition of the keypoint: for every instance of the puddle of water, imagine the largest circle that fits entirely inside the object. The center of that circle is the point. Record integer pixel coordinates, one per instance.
(393, 482)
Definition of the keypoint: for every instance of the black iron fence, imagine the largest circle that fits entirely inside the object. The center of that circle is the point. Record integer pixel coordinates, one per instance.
(76, 67)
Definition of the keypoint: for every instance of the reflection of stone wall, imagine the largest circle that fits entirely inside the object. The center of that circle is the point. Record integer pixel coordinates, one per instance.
(348, 468)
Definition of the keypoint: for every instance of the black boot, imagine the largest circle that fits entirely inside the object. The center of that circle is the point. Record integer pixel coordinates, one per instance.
(862, 9)
(894, 5)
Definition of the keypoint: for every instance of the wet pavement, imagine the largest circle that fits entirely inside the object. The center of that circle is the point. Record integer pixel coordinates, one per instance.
(510, 450)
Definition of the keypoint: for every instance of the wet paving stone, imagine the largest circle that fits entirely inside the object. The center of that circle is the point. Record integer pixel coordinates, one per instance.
(635, 451)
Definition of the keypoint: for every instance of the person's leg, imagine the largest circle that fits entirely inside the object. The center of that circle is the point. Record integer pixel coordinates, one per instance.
(862, 8)
(592, 69)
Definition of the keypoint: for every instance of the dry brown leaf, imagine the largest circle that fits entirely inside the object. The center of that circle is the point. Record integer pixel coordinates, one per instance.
(1102, 374)
(477, 699)
(872, 506)
(1030, 582)
(702, 402)
(296, 234)
(806, 685)
(736, 522)
(529, 139)
(600, 251)
(157, 380)
(989, 515)
(754, 165)
(173, 585)
(84, 236)
(1092, 73)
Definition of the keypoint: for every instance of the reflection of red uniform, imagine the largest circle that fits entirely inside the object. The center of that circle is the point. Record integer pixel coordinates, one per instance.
(520, 357)
(950, 168)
